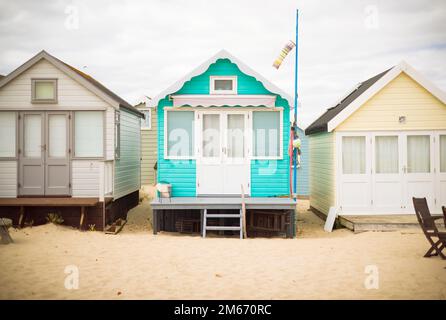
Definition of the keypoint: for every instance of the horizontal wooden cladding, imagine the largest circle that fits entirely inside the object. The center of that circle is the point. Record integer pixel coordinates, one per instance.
(321, 161)
(401, 97)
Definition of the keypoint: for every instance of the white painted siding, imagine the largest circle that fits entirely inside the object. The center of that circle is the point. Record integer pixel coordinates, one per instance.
(85, 178)
(71, 95)
(8, 179)
(128, 167)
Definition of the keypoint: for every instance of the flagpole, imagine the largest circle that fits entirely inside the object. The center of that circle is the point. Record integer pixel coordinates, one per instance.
(295, 109)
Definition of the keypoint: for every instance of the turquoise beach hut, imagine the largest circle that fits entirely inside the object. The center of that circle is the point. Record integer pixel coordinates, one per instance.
(223, 128)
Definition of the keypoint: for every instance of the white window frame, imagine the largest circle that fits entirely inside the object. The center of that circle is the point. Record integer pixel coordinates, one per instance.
(33, 90)
(251, 126)
(212, 85)
(166, 138)
(150, 117)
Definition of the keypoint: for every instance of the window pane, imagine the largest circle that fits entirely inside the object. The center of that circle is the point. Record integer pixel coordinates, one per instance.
(32, 135)
(57, 138)
(7, 134)
(353, 155)
(418, 154)
(266, 133)
(180, 132)
(236, 138)
(223, 85)
(145, 123)
(386, 154)
(44, 90)
(211, 135)
(88, 134)
(443, 153)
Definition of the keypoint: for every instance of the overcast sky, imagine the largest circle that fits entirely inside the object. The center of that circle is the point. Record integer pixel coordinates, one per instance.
(138, 48)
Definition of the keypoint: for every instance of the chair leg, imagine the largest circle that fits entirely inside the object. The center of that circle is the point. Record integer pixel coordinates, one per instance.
(436, 250)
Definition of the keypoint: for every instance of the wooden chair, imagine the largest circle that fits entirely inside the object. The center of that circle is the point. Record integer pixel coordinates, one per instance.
(430, 230)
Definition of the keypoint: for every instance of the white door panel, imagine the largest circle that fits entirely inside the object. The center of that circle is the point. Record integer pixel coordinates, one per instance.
(223, 164)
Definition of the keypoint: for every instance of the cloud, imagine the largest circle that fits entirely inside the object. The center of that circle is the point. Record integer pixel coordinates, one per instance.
(140, 47)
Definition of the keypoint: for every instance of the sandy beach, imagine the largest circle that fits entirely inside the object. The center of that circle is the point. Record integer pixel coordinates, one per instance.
(135, 264)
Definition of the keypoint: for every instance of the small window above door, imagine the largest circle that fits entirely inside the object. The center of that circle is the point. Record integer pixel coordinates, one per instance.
(223, 85)
(44, 91)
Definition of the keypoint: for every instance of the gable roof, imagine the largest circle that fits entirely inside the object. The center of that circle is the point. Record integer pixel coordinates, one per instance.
(79, 76)
(222, 54)
(337, 114)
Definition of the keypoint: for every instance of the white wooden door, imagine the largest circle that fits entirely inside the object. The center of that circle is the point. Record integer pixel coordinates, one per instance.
(440, 170)
(354, 172)
(387, 173)
(418, 168)
(236, 164)
(222, 158)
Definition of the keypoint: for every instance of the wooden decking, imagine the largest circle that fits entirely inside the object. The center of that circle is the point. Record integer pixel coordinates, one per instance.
(361, 223)
(222, 203)
(48, 202)
(22, 203)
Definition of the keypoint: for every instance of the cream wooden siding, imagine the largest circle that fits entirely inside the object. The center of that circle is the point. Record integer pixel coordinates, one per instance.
(149, 152)
(401, 97)
(322, 166)
(72, 96)
(128, 166)
(85, 178)
(8, 179)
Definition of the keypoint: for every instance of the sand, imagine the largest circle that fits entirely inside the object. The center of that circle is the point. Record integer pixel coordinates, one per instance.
(135, 264)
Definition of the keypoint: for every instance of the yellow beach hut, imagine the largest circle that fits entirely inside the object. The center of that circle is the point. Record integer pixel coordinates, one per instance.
(379, 146)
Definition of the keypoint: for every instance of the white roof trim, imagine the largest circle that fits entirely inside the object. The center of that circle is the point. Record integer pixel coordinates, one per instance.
(223, 54)
(44, 55)
(214, 100)
(381, 83)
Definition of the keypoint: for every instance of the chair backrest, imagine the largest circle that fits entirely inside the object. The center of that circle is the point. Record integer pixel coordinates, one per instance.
(423, 214)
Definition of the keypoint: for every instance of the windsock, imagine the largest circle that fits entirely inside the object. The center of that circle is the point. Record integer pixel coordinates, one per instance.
(286, 49)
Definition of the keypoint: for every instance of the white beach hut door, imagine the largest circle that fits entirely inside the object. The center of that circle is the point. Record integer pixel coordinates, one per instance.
(355, 168)
(387, 173)
(440, 183)
(222, 162)
(418, 168)
(235, 154)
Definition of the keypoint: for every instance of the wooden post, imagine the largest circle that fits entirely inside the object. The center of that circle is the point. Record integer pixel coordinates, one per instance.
(22, 215)
(154, 221)
(101, 181)
(82, 217)
(243, 213)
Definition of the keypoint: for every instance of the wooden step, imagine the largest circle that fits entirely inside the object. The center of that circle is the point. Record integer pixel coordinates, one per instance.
(223, 228)
(224, 215)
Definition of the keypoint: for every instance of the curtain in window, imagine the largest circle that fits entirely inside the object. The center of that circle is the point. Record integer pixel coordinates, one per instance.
(211, 135)
(57, 138)
(180, 133)
(32, 135)
(353, 155)
(386, 154)
(266, 133)
(236, 139)
(44, 90)
(88, 134)
(443, 153)
(7, 134)
(418, 154)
